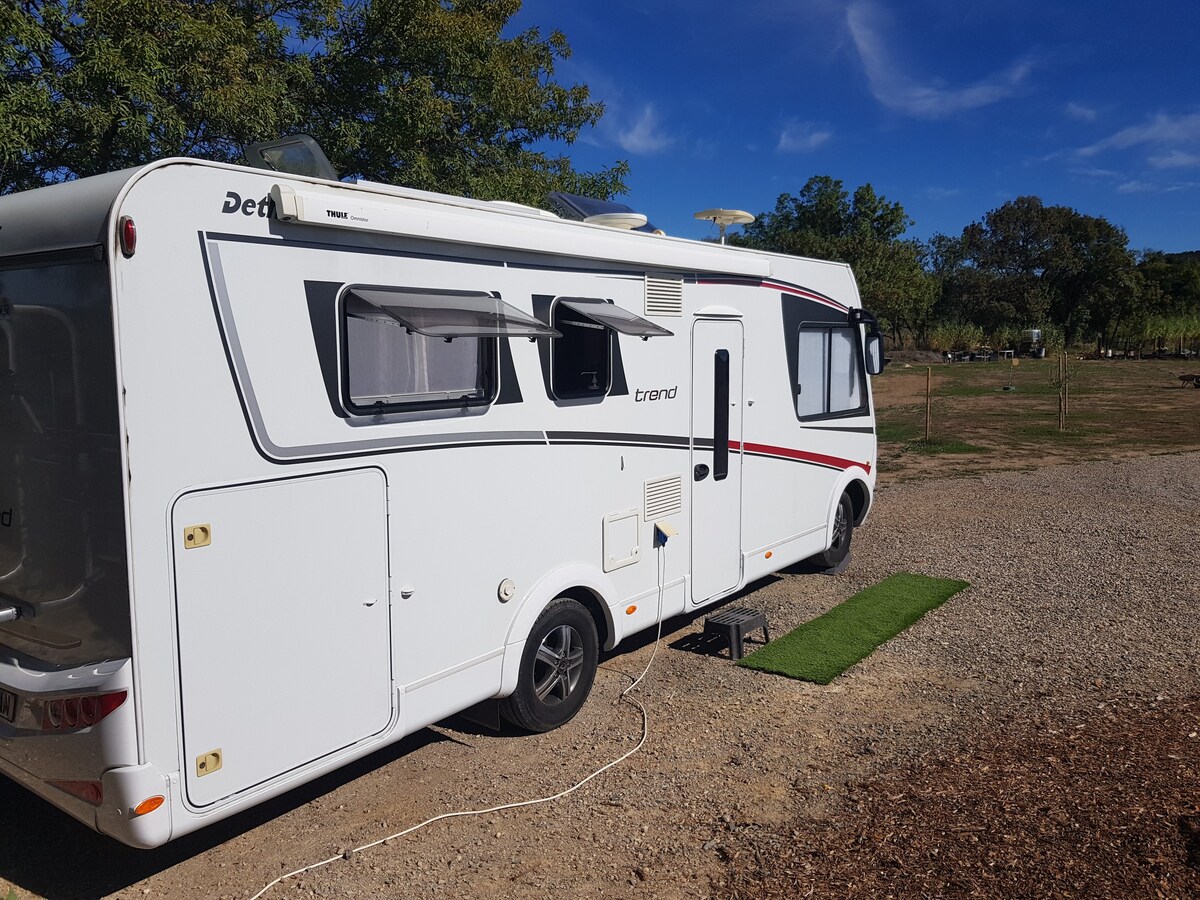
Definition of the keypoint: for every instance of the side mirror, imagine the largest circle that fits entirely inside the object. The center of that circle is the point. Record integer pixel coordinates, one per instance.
(874, 353)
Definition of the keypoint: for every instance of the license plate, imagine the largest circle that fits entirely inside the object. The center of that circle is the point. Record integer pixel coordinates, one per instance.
(8, 705)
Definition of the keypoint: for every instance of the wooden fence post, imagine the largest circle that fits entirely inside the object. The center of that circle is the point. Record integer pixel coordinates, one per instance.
(1062, 392)
(928, 398)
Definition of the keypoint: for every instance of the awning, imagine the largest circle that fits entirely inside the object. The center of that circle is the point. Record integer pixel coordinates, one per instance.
(612, 316)
(444, 314)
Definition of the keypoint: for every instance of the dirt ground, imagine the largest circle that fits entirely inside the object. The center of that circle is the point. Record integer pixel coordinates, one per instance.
(987, 417)
(1035, 736)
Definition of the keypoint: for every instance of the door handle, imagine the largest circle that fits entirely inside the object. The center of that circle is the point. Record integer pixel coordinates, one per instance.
(700, 472)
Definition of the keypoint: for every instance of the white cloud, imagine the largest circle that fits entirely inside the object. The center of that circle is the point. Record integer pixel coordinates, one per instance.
(801, 137)
(897, 90)
(645, 135)
(1176, 159)
(1136, 187)
(941, 193)
(1080, 112)
(1157, 131)
(1145, 187)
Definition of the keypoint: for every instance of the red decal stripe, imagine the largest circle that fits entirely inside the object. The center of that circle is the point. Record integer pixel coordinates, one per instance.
(803, 455)
(792, 290)
(800, 292)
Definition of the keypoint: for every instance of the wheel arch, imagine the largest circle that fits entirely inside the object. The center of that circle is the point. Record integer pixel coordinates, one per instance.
(860, 499)
(585, 584)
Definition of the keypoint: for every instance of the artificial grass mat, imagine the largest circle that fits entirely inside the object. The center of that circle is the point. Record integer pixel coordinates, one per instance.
(824, 648)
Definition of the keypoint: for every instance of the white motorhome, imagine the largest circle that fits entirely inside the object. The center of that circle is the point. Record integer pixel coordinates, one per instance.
(291, 468)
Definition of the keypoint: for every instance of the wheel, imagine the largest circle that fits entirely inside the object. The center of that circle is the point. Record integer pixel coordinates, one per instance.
(558, 667)
(843, 531)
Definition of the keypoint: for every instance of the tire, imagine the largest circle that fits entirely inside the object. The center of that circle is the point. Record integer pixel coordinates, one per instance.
(558, 668)
(843, 532)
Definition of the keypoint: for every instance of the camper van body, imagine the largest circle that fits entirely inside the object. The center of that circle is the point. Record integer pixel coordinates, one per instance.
(232, 561)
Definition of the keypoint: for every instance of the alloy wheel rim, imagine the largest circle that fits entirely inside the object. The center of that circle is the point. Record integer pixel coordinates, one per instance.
(558, 665)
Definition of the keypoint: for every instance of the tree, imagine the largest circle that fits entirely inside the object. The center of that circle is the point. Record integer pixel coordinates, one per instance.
(1052, 262)
(823, 221)
(427, 93)
(1011, 247)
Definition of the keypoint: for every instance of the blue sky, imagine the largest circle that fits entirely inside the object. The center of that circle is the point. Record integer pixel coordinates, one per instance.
(950, 108)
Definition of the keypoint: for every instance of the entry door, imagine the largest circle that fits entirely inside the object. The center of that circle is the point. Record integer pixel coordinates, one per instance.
(716, 457)
(282, 607)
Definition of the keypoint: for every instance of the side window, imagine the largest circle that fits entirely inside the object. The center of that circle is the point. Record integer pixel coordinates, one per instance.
(388, 367)
(828, 372)
(404, 349)
(581, 360)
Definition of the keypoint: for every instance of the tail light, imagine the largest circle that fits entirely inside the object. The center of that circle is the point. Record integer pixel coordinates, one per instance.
(128, 236)
(89, 791)
(69, 713)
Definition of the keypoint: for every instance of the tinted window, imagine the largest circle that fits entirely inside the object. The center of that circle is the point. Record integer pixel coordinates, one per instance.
(581, 358)
(389, 367)
(829, 376)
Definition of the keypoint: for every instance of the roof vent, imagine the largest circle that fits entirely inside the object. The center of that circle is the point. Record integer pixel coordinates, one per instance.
(664, 296)
(297, 154)
(622, 220)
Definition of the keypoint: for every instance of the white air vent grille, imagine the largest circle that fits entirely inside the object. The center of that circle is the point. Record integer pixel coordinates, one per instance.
(664, 296)
(663, 497)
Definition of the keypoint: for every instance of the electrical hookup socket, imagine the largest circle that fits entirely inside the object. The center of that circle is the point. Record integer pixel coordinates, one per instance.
(663, 531)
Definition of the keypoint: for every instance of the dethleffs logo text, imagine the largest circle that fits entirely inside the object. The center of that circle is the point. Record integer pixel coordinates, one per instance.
(234, 203)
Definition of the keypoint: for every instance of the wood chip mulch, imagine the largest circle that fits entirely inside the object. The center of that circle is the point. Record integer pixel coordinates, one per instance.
(1104, 806)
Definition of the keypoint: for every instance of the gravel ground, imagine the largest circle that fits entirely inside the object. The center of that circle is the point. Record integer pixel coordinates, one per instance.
(1082, 610)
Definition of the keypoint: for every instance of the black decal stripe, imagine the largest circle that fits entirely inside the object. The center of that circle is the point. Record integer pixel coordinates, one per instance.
(865, 429)
(347, 248)
(617, 437)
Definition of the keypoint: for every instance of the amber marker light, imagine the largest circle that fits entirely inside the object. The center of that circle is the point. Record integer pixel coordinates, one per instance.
(630, 610)
(769, 554)
(149, 805)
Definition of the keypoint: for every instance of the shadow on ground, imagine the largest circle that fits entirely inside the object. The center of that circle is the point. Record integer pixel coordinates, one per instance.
(38, 837)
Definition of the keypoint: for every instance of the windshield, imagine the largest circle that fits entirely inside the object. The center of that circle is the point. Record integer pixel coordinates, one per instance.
(62, 529)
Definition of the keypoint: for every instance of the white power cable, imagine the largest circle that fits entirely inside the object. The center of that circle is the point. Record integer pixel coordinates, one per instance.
(662, 567)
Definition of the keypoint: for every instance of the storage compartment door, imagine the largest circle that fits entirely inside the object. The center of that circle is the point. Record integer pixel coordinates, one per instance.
(281, 595)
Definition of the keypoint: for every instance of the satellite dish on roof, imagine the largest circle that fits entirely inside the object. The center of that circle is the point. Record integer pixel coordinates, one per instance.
(723, 218)
(623, 220)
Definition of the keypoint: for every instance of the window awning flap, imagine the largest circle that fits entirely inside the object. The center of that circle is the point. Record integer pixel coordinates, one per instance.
(612, 316)
(445, 314)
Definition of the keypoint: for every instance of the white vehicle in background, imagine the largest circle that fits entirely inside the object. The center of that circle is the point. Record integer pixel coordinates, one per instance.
(292, 468)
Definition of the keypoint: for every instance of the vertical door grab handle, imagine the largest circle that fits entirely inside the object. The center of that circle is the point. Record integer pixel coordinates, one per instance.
(720, 415)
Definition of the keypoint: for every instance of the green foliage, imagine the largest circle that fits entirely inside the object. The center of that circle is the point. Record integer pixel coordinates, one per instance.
(1027, 262)
(1053, 337)
(823, 221)
(428, 91)
(956, 336)
(1176, 279)
(419, 92)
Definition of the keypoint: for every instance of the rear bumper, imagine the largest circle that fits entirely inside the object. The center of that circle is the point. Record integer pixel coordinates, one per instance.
(105, 752)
